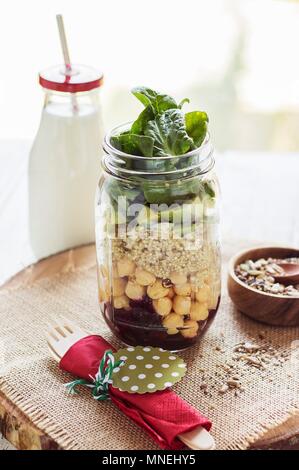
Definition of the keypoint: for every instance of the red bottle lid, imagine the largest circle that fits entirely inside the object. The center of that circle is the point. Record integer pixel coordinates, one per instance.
(78, 78)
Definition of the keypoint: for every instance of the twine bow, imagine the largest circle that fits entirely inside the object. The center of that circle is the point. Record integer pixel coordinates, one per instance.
(102, 379)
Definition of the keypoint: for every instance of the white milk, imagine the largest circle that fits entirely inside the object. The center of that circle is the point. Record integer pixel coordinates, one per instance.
(64, 169)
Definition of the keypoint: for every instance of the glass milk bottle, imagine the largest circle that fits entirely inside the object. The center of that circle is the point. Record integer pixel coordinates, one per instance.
(64, 163)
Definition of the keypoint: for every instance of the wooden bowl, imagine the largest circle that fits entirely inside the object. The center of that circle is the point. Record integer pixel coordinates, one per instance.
(268, 308)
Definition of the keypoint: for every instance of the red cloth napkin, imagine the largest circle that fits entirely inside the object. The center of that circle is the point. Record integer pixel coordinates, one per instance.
(163, 414)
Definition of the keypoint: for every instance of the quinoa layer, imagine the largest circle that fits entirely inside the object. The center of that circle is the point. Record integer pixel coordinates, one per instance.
(162, 257)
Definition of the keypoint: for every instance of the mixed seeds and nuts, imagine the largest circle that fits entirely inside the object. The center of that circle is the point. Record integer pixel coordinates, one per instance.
(238, 366)
(260, 275)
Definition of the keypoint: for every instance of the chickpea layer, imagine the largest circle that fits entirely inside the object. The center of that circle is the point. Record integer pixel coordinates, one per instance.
(181, 305)
(125, 267)
(157, 291)
(172, 322)
(118, 286)
(178, 278)
(199, 312)
(171, 293)
(178, 300)
(183, 289)
(202, 295)
(163, 306)
(134, 290)
(190, 329)
(121, 302)
(144, 278)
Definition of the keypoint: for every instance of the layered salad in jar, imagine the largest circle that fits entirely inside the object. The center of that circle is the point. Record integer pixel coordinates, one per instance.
(157, 226)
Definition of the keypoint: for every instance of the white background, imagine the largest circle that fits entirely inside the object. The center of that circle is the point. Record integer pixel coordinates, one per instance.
(238, 59)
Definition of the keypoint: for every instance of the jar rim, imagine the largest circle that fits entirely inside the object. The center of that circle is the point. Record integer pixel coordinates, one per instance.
(197, 162)
(108, 147)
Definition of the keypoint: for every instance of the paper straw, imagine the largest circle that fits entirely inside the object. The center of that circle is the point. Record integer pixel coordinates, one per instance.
(63, 41)
(66, 55)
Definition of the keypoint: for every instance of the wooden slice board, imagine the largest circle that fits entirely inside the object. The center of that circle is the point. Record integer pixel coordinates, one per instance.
(18, 429)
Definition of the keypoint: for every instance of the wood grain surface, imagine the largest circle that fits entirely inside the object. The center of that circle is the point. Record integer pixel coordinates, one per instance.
(19, 430)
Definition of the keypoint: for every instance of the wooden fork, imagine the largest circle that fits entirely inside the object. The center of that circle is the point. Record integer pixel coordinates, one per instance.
(62, 335)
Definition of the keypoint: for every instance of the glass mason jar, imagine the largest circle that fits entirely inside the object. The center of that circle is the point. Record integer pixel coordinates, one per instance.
(158, 249)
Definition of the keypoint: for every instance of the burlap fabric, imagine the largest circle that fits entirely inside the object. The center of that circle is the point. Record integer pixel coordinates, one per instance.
(32, 380)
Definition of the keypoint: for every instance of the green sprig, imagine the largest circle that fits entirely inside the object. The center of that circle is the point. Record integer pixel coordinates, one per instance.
(101, 381)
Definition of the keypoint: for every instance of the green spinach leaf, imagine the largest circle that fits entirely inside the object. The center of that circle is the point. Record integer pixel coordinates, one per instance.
(158, 193)
(169, 134)
(159, 102)
(138, 126)
(182, 102)
(116, 189)
(196, 126)
(134, 144)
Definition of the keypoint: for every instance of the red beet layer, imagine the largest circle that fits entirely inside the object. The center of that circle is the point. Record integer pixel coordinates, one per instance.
(141, 325)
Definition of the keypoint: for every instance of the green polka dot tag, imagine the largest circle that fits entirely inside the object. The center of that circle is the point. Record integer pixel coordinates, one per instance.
(147, 369)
